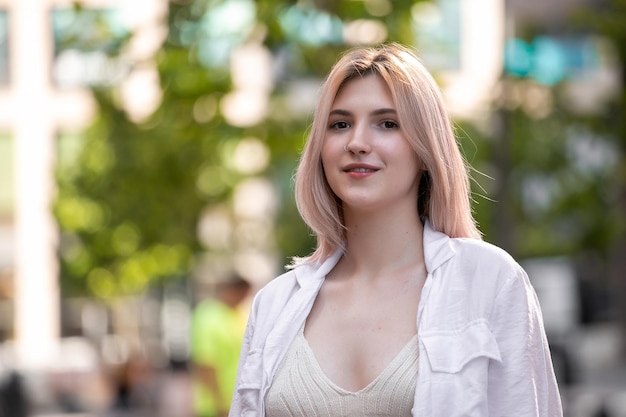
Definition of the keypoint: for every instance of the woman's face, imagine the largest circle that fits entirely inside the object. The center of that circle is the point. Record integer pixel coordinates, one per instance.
(367, 159)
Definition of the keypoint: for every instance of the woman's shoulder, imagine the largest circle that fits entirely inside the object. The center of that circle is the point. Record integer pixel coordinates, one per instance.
(484, 273)
(279, 286)
(486, 262)
(465, 254)
(479, 251)
(283, 286)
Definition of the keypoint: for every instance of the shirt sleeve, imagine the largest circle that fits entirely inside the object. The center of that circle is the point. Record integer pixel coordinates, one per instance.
(237, 407)
(523, 383)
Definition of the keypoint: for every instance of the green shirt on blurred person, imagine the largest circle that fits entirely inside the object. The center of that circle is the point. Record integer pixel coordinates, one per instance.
(217, 329)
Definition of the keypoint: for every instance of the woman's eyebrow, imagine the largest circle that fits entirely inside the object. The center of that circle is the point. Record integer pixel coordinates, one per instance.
(339, 112)
(382, 111)
(377, 112)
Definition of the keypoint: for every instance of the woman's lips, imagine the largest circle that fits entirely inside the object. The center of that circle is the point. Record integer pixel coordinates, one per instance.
(360, 170)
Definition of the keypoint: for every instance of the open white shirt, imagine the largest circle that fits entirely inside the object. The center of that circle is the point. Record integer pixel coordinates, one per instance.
(482, 345)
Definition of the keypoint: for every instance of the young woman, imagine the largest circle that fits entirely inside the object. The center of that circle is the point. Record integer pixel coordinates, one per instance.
(402, 310)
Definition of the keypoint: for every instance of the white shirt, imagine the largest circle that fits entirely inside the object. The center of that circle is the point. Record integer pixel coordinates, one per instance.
(482, 345)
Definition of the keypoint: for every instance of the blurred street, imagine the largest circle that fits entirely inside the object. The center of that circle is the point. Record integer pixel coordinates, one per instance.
(600, 393)
(592, 380)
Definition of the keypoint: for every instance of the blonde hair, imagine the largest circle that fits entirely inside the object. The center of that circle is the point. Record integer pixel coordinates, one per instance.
(444, 190)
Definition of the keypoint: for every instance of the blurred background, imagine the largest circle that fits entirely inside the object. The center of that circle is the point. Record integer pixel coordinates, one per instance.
(147, 149)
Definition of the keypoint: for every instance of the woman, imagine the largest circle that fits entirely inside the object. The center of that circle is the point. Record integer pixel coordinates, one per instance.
(402, 309)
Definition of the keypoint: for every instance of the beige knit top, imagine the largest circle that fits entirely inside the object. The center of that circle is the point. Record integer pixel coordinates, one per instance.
(300, 387)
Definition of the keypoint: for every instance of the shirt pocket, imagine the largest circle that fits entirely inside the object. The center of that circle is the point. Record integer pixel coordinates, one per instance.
(249, 384)
(450, 351)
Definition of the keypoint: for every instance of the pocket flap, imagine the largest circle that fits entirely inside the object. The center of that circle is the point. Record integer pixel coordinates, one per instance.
(449, 351)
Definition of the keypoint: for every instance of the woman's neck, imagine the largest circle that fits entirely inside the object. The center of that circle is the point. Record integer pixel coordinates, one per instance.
(383, 242)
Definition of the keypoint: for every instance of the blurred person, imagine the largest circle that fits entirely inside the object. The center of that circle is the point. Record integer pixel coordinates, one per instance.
(402, 309)
(217, 329)
(13, 397)
(132, 380)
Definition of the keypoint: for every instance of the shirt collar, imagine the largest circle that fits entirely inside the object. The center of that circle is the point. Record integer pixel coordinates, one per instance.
(437, 247)
(310, 274)
(437, 250)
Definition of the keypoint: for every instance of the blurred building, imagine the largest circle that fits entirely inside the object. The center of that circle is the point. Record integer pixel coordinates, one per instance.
(44, 102)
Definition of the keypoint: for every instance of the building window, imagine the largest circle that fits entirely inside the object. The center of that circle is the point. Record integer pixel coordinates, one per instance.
(437, 28)
(87, 44)
(6, 176)
(4, 47)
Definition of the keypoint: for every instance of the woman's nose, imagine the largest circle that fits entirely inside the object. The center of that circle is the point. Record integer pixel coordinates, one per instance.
(359, 141)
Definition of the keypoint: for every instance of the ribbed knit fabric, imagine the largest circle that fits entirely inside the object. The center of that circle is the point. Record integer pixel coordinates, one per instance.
(300, 387)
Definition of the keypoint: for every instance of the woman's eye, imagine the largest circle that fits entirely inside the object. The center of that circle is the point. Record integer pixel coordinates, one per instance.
(339, 125)
(388, 124)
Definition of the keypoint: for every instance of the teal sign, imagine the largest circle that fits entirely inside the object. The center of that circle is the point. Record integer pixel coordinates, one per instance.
(548, 60)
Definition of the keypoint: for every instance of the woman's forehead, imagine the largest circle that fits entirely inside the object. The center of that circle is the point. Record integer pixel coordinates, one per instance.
(365, 87)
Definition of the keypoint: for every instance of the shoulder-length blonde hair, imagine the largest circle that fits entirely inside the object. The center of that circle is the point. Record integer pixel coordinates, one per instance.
(444, 190)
